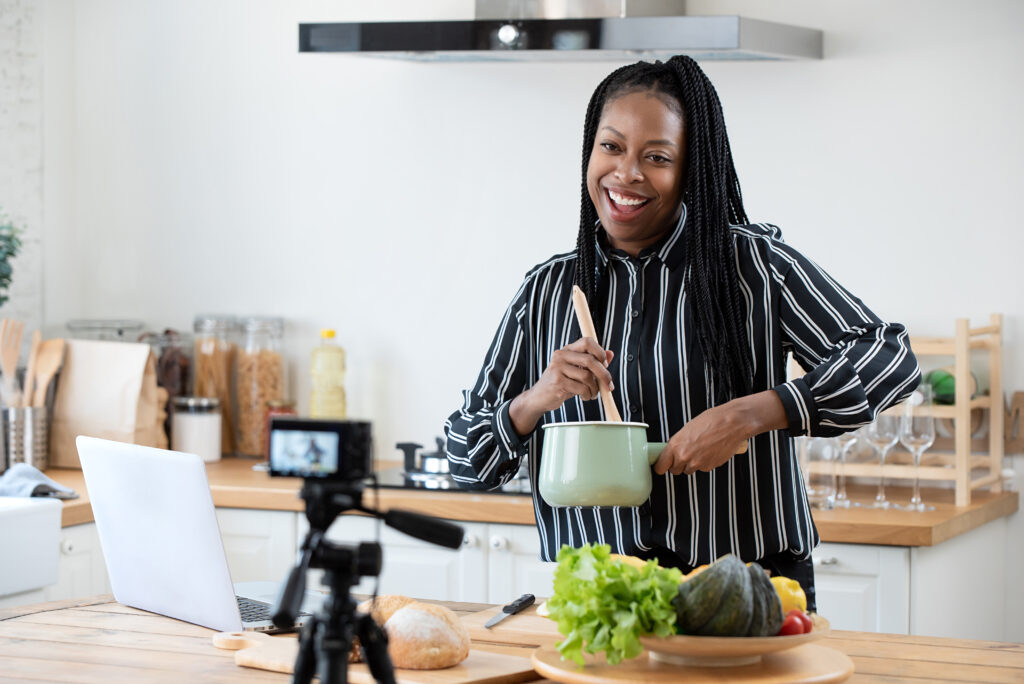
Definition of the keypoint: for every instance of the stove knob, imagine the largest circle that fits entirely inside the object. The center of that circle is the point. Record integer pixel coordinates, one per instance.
(499, 543)
(470, 541)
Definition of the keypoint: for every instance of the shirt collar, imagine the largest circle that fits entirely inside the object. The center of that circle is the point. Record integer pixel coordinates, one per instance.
(670, 250)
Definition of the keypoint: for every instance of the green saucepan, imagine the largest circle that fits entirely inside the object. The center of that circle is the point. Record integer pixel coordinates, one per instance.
(597, 464)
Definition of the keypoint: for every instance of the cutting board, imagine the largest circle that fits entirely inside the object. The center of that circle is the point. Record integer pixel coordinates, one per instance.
(277, 654)
(803, 664)
(522, 629)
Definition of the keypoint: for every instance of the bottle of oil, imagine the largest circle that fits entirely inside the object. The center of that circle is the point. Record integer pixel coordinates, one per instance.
(327, 367)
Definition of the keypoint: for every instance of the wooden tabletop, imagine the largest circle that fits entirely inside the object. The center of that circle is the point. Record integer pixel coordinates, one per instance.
(97, 640)
(236, 485)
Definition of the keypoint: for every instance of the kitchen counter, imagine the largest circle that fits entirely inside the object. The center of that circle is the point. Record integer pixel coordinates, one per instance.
(97, 640)
(236, 485)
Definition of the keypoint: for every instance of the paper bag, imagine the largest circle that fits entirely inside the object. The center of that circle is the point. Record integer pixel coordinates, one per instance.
(106, 390)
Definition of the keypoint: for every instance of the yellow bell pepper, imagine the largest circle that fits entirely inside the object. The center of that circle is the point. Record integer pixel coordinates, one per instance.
(638, 563)
(790, 593)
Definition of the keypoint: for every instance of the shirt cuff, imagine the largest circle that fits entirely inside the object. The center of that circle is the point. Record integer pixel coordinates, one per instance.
(506, 433)
(801, 411)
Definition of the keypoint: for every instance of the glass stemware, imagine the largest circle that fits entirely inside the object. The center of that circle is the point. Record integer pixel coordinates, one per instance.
(844, 444)
(882, 434)
(917, 433)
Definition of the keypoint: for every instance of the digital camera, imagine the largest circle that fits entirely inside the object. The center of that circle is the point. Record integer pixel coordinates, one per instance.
(339, 450)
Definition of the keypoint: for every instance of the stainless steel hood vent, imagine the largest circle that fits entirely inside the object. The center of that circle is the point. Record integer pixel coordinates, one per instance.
(536, 33)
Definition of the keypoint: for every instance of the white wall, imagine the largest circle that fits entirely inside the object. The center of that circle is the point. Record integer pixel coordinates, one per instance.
(209, 166)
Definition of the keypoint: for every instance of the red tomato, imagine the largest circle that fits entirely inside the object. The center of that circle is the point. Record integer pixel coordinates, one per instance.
(805, 619)
(791, 625)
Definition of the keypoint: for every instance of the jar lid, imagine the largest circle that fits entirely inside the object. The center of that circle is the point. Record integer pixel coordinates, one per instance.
(281, 403)
(273, 324)
(212, 323)
(196, 404)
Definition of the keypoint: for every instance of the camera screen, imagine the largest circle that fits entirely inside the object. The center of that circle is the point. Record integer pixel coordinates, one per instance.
(317, 448)
(305, 453)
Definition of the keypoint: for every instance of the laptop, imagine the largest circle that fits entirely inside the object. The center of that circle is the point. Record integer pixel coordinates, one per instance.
(160, 539)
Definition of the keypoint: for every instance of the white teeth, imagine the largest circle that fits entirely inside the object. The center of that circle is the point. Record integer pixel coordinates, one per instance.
(619, 199)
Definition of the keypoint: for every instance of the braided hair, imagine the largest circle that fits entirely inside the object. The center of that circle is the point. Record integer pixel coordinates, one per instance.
(713, 201)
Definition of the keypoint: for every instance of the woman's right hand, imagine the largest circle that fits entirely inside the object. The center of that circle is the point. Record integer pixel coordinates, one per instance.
(577, 369)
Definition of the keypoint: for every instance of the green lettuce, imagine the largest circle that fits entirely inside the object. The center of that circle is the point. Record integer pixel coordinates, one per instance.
(602, 604)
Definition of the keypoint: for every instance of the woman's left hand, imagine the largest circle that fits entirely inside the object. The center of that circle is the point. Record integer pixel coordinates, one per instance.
(706, 442)
(721, 432)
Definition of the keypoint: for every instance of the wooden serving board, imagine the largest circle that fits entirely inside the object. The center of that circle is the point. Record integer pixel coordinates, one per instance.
(522, 629)
(807, 663)
(277, 654)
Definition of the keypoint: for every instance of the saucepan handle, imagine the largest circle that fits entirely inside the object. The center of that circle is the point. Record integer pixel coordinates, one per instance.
(654, 450)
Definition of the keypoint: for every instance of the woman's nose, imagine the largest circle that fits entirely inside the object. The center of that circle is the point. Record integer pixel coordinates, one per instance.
(628, 170)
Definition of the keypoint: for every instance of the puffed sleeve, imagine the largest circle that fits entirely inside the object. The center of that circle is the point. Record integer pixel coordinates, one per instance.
(857, 364)
(484, 450)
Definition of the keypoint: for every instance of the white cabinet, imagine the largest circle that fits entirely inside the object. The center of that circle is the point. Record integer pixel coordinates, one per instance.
(495, 564)
(82, 571)
(514, 567)
(260, 545)
(863, 587)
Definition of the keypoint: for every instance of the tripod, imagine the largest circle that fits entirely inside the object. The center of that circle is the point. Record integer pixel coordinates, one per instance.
(326, 640)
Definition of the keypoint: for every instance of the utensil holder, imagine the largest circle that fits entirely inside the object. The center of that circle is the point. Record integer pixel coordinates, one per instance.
(26, 435)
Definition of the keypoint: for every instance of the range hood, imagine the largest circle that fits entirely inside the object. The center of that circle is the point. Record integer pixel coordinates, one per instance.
(568, 30)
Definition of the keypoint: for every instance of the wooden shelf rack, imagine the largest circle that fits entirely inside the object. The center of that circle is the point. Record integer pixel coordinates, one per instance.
(966, 470)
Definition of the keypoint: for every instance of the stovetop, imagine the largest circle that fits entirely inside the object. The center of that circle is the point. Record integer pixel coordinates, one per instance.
(398, 478)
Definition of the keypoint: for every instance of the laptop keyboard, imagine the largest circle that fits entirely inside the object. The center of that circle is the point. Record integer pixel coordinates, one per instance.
(252, 610)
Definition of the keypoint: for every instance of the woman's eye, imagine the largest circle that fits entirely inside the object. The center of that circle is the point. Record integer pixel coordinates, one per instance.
(610, 147)
(658, 159)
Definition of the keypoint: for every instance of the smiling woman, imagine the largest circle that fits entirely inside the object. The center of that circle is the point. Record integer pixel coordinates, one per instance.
(697, 311)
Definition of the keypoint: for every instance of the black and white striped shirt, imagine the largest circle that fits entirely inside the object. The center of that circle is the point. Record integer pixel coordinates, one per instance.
(754, 505)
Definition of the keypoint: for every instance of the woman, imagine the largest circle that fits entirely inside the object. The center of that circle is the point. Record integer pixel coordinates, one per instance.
(697, 311)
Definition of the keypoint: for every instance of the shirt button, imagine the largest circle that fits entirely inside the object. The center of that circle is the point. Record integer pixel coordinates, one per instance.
(635, 313)
(632, 408)
(629, 357)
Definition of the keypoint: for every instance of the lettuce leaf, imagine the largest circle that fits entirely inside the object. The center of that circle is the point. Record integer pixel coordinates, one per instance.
(604, 605)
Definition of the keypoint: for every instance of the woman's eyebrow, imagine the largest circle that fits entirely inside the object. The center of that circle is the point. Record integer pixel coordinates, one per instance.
(660, 141)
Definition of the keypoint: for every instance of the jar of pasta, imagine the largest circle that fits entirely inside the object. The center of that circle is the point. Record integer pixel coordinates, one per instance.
(259, 379)
(214, 361)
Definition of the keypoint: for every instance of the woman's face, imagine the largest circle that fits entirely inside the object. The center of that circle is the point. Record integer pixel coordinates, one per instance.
(635, 175)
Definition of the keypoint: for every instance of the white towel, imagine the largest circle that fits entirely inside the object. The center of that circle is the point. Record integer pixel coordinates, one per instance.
(23, 479)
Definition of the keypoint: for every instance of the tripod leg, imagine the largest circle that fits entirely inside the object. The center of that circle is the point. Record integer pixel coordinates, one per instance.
(305, 661)
(374, 642)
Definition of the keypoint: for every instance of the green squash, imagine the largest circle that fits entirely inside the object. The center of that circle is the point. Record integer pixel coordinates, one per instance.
(767, 608)
(717, 602)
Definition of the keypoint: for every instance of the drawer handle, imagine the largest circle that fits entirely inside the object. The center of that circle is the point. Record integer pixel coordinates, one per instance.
(831, 560)
(470, 541)
(499, 543)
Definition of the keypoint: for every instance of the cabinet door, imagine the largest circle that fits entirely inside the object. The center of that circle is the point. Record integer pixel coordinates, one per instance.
(863, 587)
(82, 571)
(260, 545)
(514, 565)
(412, 567)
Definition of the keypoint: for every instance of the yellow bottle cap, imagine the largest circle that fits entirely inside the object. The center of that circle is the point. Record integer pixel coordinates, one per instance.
(327, 333)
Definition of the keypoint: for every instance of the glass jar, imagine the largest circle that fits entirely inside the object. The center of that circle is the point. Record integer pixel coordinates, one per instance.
(105, 329)
(195, 427)
(173, 352)
(259, 378)
(275, 407)
(214, 362)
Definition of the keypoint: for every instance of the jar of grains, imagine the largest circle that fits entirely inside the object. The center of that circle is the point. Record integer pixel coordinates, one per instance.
(275, 407)
(214, 359)
(259, 378)
(195, 427)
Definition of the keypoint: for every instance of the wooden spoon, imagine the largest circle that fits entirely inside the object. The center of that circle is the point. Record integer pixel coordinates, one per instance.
(51, 356)
(579, 302)
(30, 371)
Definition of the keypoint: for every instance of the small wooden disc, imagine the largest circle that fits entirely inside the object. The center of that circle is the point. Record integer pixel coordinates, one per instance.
(807, 663)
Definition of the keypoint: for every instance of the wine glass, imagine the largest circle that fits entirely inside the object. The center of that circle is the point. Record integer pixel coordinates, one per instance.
(882, 434)
(844, 443)
(917, 433)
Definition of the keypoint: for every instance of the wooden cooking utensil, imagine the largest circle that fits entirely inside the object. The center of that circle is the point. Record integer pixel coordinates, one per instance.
(30, 372)
(48, 362)
(579, 302)
(10, 348)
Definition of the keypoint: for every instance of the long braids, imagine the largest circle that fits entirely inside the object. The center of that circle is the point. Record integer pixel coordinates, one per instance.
(713, 200)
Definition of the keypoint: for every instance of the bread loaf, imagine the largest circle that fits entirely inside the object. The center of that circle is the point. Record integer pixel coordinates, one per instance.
(424, 636)
(381, 608)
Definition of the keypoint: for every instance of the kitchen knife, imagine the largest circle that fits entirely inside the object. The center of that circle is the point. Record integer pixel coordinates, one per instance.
(511, 609)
